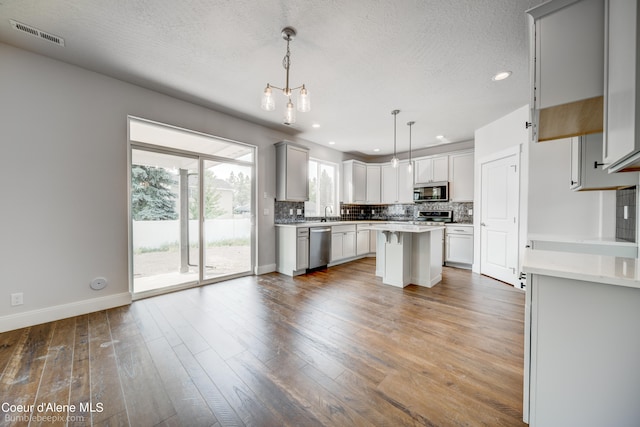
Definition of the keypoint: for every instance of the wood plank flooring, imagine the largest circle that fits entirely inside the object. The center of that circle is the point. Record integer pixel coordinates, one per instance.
(332, 348)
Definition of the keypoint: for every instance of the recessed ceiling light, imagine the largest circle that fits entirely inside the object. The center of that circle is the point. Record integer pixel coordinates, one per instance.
(315, 125)
(375, 150)
(332, 143)
(501, 76)
(440, 136)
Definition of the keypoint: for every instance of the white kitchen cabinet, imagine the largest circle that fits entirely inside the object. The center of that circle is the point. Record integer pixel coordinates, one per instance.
(343, 242)
(581, 348)
(363, 242)
(461, 177)
(389, 184)
(292, 250)
(292, 172)
(431, 169)
(397, 183)
(302, 249)
(373, 184)
(459, 245)
(405, 183)
(622, 99)
(373, 238)
(586, 167)
(567, 68)
(354, 181)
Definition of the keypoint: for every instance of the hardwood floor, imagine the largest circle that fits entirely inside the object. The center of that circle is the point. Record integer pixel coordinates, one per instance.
(335, 348)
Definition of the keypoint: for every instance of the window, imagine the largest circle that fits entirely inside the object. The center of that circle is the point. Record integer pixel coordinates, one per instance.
(323, 189)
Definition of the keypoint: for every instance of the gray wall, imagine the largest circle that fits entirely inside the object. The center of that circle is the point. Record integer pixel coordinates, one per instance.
(63, 170)
(585, 214)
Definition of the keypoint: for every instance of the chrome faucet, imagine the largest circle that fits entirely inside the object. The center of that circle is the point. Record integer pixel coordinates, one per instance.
(325, 213)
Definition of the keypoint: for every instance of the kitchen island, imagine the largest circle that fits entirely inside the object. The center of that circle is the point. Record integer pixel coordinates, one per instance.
(409, 254)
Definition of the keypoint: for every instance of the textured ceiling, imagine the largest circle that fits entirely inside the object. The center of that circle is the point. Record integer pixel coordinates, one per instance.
(431, 59)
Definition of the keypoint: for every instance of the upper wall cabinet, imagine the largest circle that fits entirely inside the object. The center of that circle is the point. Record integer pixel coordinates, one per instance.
(361, 182)
(622, 109)
(397, 183)
(567, 68)
(431, 169)
(373, 183)
(292, 172)
(354, 181)
(461, 177)
(586, 167)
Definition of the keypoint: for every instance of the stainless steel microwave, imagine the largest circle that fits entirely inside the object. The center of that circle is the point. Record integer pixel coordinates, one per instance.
(432, 192)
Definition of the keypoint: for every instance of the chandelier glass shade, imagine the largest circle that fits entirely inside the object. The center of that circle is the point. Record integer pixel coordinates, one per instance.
(304, 103)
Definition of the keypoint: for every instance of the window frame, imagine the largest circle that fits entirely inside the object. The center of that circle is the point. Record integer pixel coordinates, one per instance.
(336, 189)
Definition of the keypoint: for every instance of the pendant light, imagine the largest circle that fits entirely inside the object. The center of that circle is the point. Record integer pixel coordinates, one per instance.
(268, 103)
(394, 160)
(410, 166)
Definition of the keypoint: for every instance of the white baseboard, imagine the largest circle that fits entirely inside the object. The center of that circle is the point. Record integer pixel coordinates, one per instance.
(264, 269)
(50, 314)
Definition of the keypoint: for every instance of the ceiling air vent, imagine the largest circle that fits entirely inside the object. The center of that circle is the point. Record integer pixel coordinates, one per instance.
(37, 33)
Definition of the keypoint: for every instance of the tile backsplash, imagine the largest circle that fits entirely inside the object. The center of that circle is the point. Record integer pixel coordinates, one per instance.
(287, 212)
(626, 224)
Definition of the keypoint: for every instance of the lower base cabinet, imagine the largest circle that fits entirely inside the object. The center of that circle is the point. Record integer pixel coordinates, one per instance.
(362, 244)
(459, 245)
(582, 349)
(343, 242)
(292, 250)
(302, 249)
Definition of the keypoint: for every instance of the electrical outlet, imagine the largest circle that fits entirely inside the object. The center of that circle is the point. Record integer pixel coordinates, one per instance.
(373, 211)
(17, 299)
(470, 211)
(299, 211)
(347, 211)
(361, 211)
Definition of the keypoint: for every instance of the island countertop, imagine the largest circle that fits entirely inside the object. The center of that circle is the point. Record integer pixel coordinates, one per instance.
(404, 228)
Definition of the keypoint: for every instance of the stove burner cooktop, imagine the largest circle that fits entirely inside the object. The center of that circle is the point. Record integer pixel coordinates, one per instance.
(434, 217)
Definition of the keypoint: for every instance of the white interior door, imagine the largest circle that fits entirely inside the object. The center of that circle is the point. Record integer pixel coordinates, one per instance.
(499, 219)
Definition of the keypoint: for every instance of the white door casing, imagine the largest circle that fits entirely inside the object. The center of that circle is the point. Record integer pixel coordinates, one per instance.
(499, 218)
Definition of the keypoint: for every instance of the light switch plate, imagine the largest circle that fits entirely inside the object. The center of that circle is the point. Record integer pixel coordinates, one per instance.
(299, 212)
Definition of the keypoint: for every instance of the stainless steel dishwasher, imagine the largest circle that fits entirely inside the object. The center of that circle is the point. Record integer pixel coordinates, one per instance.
(319, 246)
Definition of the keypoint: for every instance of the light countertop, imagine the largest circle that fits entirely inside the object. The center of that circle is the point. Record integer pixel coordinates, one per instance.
(404, 228)
(609, 241)
(320, 224)
(587, 267)
(361, 221)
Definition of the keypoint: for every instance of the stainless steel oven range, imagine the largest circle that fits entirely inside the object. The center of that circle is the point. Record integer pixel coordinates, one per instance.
(435, 218)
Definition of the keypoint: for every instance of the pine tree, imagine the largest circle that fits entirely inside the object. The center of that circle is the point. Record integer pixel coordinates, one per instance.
(151, 195)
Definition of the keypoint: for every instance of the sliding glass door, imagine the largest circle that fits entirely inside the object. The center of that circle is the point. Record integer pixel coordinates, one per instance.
(192, 208)
(227, 218)
(164, 216)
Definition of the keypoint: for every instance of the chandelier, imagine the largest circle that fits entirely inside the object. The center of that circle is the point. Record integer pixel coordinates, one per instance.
(410, 166)
(394, 160)
(269, 103)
